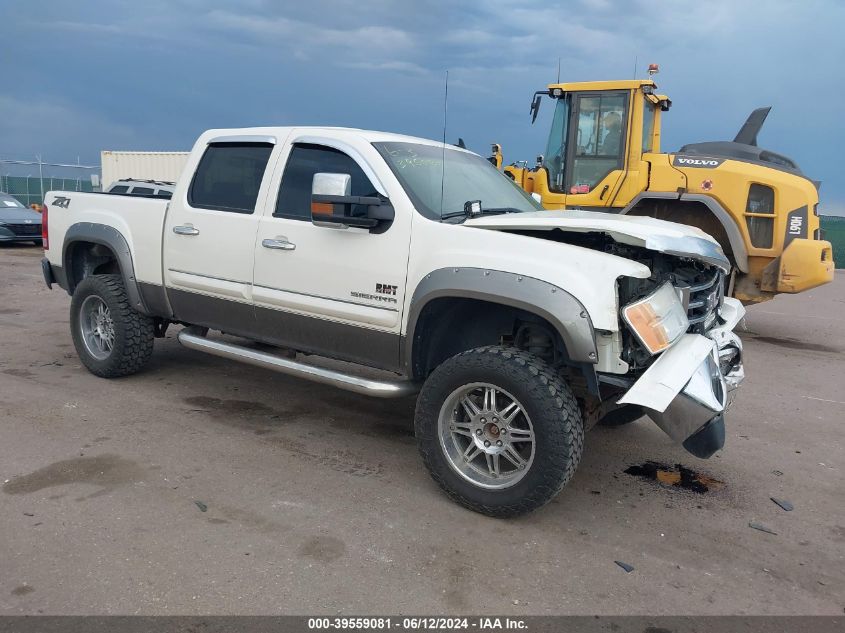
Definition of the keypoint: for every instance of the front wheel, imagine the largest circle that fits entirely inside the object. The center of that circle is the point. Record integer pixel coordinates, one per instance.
(499, 430)
(110, 336)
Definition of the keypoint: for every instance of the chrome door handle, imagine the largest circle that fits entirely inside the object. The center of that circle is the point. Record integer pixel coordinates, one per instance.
(186, 229)
(280, 244)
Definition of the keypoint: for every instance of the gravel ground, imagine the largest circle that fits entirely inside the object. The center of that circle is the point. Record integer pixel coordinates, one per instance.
(203, 486)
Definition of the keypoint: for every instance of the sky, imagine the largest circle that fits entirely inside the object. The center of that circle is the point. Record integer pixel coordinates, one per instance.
(80, 77)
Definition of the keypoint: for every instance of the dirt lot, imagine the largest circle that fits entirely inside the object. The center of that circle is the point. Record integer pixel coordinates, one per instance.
(312, 500)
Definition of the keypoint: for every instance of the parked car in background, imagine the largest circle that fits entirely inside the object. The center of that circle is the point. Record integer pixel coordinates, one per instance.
(17, 222)
(128, 186)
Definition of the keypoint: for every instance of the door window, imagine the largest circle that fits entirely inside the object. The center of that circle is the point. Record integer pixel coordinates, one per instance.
(599, 140)
(294, 200)
(554, 159)
(648, 124)
(229, 176)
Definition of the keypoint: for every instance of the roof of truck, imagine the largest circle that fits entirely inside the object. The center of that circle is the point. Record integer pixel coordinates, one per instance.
(371, 136)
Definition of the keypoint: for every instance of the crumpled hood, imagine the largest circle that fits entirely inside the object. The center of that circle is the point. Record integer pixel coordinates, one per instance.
(655, 235)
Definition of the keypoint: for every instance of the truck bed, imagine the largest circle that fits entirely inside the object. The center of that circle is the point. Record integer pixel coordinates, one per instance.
(139, 219)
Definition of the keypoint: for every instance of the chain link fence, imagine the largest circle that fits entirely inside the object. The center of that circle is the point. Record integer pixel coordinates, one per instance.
(28, 189)
(833, 230)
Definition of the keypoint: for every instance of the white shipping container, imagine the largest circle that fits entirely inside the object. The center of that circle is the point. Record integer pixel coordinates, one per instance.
(166, 166)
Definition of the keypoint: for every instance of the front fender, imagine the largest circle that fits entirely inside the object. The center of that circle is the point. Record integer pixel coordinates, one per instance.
(562, 310)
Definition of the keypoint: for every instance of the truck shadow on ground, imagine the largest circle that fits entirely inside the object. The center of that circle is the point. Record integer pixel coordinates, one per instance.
(363, 436)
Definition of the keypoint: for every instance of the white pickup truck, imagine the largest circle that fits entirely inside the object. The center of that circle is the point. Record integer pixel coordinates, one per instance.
(518, 328)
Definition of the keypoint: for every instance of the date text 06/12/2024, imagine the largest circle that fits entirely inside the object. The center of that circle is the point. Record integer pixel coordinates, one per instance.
(417, 623)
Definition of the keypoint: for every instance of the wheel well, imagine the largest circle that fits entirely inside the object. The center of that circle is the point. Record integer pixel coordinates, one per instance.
(84, 259)
(449, 325)
(692, 213)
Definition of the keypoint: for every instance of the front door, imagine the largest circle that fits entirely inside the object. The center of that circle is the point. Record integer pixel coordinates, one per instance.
(329, 290)
(596, 148)
(209, 235)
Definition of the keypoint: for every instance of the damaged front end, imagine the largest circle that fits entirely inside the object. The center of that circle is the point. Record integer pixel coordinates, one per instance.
(687, 383)
(690, 386)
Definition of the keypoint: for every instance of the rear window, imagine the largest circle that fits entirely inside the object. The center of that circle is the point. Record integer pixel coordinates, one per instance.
(229, 176)
(145, 191)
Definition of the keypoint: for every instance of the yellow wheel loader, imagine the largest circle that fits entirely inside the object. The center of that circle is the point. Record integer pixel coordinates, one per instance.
(603, 154)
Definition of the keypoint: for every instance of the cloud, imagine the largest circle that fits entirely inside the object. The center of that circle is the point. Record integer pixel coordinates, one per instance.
(397, 66)
(81, 27)
(372, 44)
(30, 127)
(155, 73)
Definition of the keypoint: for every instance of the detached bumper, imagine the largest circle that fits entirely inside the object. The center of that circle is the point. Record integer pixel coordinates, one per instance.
(688, 389)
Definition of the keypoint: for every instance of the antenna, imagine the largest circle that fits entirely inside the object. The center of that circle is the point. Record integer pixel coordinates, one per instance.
(635, 66)
(558, 70)
(443, 160)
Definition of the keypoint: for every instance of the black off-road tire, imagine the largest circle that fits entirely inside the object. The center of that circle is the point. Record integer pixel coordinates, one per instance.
(546, 398)
(622, 416)
(133, 331)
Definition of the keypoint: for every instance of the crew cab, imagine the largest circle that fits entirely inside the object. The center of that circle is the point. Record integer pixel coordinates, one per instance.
(517, 329)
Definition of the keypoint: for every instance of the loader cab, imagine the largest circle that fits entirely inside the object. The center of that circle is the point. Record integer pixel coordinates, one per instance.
(594, 154)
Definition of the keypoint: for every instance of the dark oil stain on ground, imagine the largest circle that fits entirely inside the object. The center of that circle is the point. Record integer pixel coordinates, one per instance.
(19, 373)
(791, 343)
(678, 476)
(22, 590)
(262, 419)
(324, 549)
(342, 461)
(100, 470)
(249, 519)
(253, 416)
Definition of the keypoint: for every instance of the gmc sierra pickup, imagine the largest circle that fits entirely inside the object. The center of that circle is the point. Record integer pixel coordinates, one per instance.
(518, 328)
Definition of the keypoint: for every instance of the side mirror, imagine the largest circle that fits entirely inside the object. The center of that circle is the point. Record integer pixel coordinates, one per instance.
(333, 206)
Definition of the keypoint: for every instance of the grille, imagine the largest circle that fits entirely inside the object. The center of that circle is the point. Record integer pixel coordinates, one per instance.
(24, 229)
(704, 298)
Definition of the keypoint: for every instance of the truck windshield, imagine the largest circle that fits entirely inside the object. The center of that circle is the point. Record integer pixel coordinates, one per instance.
(440, 191)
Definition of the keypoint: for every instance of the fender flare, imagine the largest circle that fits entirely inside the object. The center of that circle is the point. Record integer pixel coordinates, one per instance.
(562, 310)
(740, 252)
(113, 239)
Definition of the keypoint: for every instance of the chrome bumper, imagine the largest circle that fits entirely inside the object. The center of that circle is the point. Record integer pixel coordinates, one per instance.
(688, 389)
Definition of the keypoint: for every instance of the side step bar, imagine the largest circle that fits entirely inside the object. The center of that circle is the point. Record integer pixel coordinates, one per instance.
(192, 339)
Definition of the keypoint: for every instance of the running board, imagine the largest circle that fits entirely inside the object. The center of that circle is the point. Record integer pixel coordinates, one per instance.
(190, 338)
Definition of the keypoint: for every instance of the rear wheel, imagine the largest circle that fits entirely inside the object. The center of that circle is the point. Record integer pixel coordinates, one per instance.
(111, 338)
(499, 431)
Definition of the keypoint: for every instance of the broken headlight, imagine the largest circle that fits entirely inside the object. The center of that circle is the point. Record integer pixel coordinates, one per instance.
(657, 320)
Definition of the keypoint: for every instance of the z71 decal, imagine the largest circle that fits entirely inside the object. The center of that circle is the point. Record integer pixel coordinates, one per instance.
(61, 201)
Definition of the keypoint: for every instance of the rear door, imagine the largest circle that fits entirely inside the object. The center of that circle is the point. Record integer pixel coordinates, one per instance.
(329, 290)
(209, 234)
